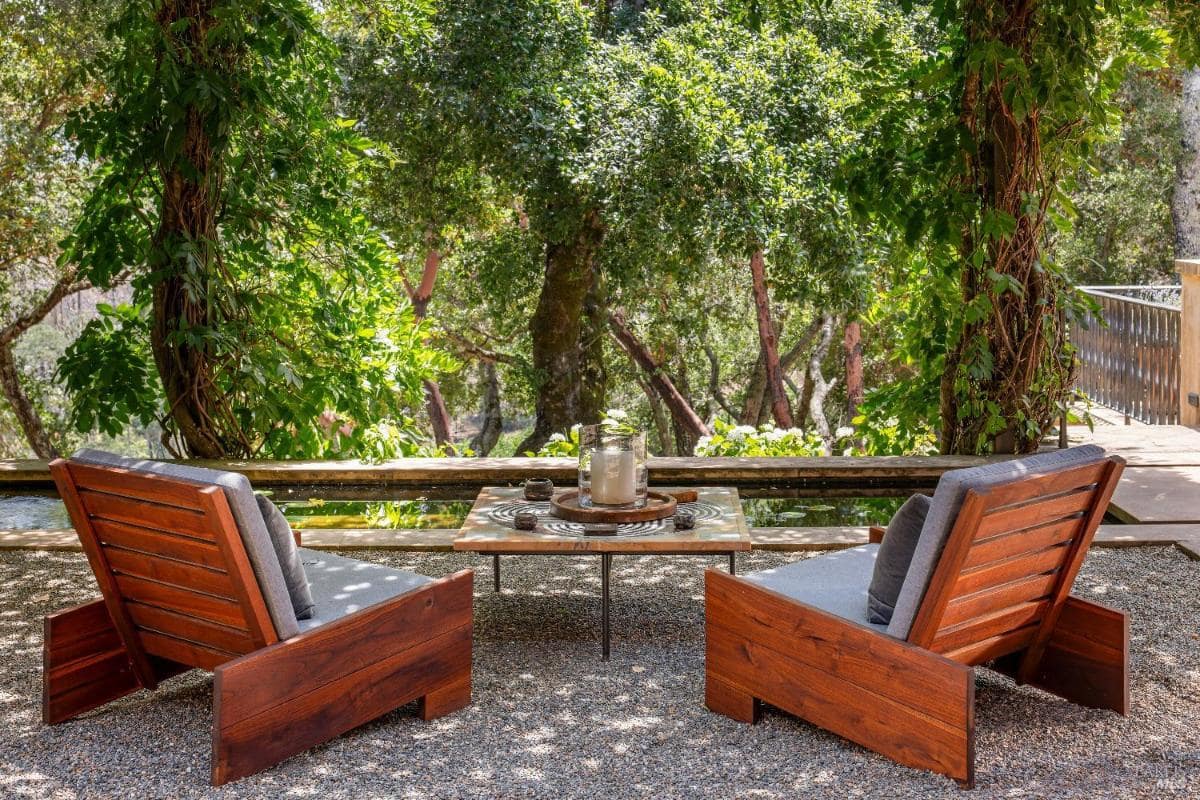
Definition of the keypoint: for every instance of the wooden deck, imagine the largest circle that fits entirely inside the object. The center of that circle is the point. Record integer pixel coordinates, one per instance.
(1159, 494)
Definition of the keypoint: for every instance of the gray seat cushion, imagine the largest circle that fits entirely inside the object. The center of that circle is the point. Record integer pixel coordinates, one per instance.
(943, 512)
(286, 551)
(835, 583)
(246, 514)
(341, 586)
(895, 555)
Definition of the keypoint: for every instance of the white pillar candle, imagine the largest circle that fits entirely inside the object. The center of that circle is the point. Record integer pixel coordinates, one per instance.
(614, 477)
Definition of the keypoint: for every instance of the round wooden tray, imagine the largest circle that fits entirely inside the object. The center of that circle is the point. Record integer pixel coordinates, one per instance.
(566, 506)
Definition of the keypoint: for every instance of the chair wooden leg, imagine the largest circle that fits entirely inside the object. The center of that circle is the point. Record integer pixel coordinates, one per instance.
(902, 701)
(446, 700)
(279, 701)
(726, 699)
(1086, 659)
(84, 663)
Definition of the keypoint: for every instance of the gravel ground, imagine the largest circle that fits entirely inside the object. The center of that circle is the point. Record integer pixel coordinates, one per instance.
(549, 720)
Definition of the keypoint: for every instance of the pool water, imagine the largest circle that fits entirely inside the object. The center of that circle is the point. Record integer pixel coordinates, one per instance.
(24, 512)
(817, 512)
(385, 514)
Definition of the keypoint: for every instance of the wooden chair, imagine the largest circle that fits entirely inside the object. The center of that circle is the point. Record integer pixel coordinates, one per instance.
(180, 592)
(999, 593)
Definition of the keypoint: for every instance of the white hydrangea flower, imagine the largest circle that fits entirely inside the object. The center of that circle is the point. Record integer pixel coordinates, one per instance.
(616, 413)
(844, 432)
(557, 437)
(776, 434)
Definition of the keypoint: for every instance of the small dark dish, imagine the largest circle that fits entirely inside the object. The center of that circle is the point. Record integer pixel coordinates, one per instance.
(539, 489)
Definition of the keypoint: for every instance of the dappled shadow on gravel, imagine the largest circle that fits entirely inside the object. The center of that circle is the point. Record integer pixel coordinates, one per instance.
(549, 720)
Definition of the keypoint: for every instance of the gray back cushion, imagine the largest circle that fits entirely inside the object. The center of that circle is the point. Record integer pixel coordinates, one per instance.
(289, 557)
(245, 512)
(943, 512)
(895, 556)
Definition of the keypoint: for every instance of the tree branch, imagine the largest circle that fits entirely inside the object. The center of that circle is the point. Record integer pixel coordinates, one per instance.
(66, 285)
(681, 411)
(714, 381)
(477, 351)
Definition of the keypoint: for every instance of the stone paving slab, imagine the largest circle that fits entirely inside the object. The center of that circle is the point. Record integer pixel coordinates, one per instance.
(1158, 494)
(1143, 445)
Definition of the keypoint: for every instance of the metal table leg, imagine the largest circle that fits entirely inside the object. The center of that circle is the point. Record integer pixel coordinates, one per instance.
(496, 571)
(605, 570)
(732, 563)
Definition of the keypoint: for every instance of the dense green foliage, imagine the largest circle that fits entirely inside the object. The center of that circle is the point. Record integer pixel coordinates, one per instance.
(980, 136)
(227, 192)
(552, 207)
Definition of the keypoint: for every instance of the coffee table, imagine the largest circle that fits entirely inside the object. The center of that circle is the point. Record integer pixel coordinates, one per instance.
(720, 530)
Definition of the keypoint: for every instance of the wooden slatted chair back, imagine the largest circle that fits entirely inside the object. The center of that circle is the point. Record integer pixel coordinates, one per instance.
(170, 563)
(1010, 561)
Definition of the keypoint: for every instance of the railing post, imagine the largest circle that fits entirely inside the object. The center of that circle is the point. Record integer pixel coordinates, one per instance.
(1189, 343)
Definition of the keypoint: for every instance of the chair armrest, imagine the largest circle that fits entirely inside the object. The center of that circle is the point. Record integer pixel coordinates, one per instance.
(875, 534)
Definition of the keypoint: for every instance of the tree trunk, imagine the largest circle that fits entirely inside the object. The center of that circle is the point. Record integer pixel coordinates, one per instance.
(756, 391)
(22, 407)
(185, 253)
(852, 349)
(685, 418)
(1186, 205)
(492, 424)
(755, 409)
(806, 396)
(556, 329)
(686, 433)
(593, 376)
(714, 381)
(821, 387)
(780, 408)
(662, 425)
(435, 405)
(1007, 370)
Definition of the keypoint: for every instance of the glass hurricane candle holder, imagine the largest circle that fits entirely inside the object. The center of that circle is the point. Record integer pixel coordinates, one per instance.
(612, 468)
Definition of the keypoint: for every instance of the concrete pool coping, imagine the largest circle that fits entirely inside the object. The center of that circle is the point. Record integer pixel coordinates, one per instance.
(1185, 536)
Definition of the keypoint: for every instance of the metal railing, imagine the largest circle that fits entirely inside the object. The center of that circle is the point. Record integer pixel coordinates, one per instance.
(1131, 363)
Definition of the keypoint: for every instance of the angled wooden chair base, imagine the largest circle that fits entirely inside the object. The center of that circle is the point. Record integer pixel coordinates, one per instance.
(916, 707)
(274, 703)
(1086, 659)
(85, 665)
(281, 700)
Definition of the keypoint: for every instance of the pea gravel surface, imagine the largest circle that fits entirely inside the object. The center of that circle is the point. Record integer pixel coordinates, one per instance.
(550, 720)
